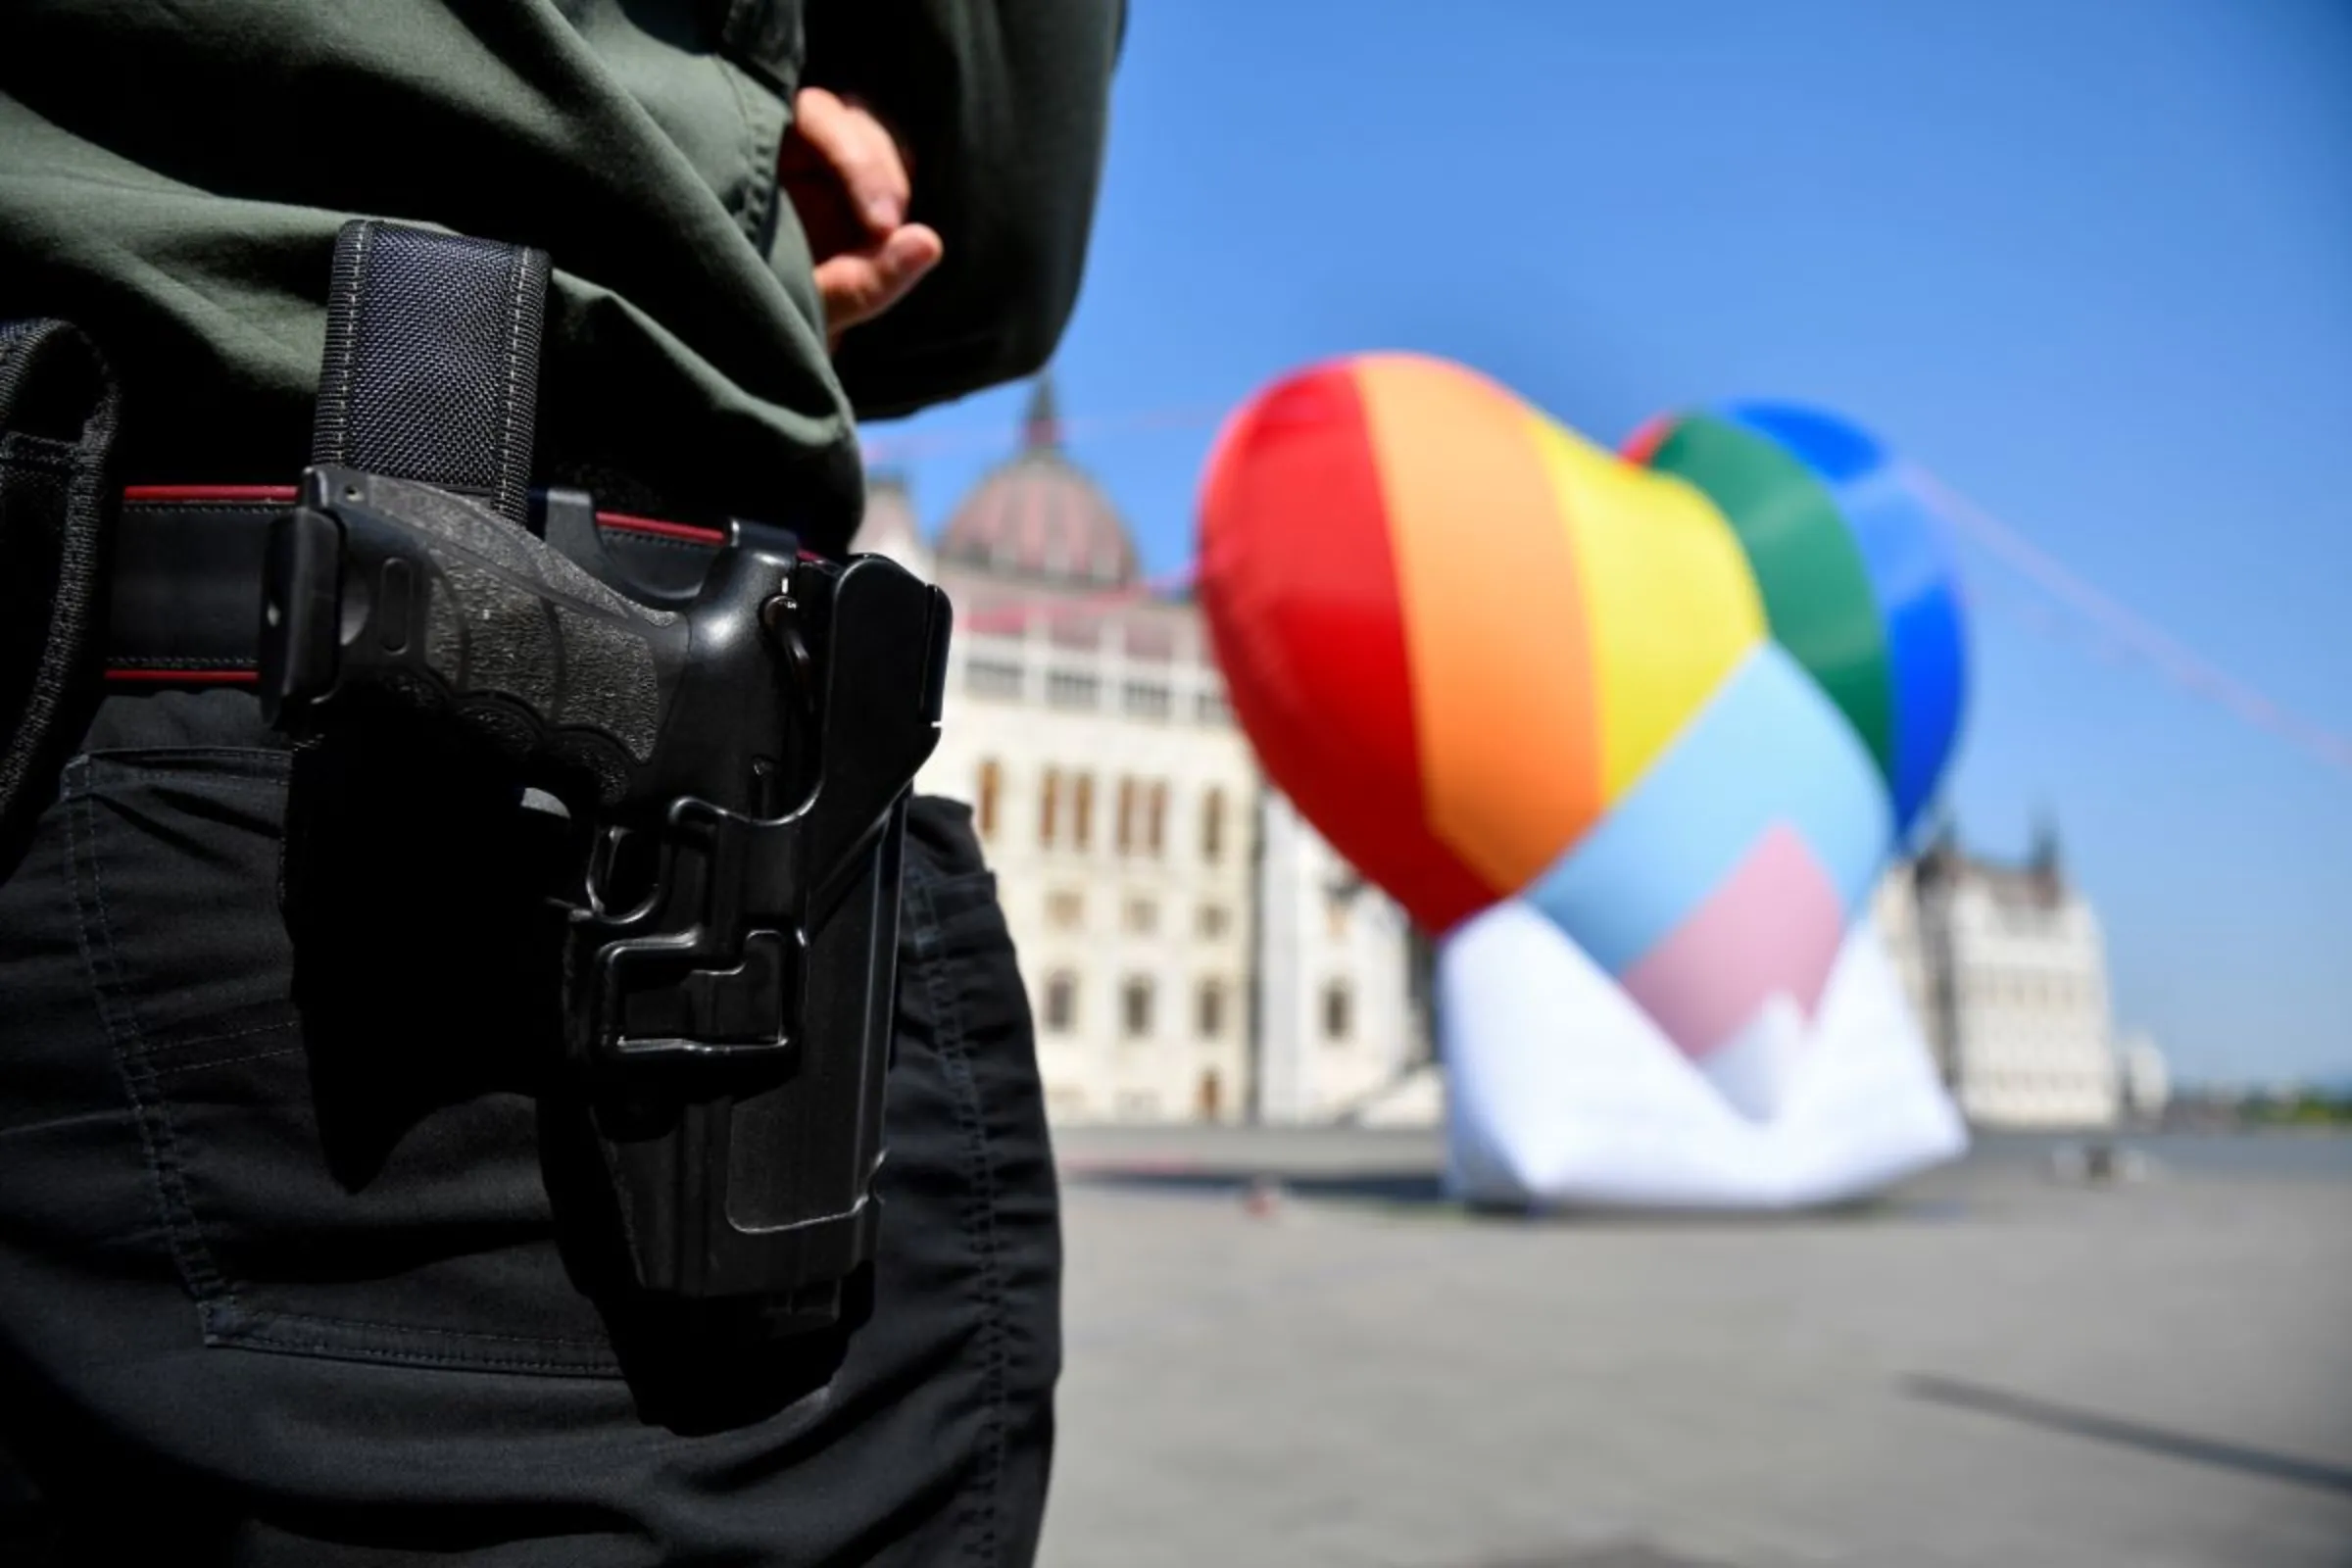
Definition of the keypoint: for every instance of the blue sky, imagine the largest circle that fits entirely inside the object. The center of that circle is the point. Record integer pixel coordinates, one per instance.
(2090, 260)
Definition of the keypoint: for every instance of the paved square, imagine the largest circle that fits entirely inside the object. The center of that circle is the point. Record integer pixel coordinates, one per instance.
(1993, 1365)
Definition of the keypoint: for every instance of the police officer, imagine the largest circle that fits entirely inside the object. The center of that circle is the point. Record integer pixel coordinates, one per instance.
(281, 1280)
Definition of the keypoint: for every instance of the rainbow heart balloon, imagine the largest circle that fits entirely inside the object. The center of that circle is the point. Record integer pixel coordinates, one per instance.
(1684, 700)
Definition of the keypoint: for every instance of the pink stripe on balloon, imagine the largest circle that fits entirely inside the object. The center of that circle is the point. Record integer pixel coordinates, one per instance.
(1773, 925)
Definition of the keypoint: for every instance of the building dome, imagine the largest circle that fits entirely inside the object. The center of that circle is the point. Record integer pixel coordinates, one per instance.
(1039, 517)
(889, 527)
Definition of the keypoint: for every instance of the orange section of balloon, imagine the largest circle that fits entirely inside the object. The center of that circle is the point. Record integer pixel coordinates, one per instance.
(1510, 767)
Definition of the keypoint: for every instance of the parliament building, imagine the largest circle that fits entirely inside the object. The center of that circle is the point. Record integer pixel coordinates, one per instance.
(1193, 951)
(2007, 971)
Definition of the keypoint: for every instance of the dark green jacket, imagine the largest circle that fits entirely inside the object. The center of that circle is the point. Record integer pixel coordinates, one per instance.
(173, 176)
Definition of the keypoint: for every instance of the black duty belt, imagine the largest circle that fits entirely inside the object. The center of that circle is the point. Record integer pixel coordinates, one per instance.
(185, 606)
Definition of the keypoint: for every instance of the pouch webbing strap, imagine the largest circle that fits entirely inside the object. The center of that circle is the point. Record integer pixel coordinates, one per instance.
(59, 409)
(431, 370)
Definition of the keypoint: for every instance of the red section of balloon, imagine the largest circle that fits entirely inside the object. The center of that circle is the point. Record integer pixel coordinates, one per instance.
(1299, 589)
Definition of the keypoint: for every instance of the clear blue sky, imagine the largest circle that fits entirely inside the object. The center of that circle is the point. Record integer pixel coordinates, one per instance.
(2090, 261)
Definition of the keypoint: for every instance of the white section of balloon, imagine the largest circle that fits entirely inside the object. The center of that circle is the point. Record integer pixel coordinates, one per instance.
(1562, 1092)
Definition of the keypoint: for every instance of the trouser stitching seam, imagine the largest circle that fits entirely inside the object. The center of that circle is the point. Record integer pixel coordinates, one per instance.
(173, 1048)
(208, 1063)
(157, 1136)
(461, 1361)
(979, 1214)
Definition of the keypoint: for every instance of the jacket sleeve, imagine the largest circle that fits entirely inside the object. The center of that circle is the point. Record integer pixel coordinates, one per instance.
(1002, 106)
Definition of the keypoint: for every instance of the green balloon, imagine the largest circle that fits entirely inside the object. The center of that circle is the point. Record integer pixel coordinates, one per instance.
(1816, 588)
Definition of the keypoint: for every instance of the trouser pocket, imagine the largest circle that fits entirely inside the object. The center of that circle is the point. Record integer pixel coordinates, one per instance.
(343, 1143)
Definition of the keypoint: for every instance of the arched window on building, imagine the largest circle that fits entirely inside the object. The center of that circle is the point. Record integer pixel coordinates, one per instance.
(1213, 1010)
(1048, 807)
(1338, 1011)
(1208, 1103)
(1061, 1003)
(1156, 827)
(1212, 827)
(1126, 815)
(1134, 1008)
(992, 779)
(1420, 993)
(1082, 810)
(1335, 915)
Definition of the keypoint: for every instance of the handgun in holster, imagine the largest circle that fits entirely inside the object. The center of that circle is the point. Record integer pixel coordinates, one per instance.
(735, 746)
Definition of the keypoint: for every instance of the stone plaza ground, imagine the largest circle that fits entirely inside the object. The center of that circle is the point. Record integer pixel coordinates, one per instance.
(1996, 1364)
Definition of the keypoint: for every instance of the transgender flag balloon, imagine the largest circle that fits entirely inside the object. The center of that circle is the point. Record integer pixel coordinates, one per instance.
(1683, 705)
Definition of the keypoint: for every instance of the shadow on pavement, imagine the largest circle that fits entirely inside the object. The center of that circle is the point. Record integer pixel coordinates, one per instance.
(2130, 1433)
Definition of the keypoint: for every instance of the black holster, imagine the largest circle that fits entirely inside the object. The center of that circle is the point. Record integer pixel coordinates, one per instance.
(733, 756)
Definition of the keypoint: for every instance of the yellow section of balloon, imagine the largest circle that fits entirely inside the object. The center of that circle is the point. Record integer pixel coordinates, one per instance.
(1670, 605)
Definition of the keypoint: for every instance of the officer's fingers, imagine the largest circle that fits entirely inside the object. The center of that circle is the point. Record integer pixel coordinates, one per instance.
(861, 153)
(861, 285)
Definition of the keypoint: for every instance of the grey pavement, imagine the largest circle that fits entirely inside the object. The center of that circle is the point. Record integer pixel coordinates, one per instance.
(1993, 1365)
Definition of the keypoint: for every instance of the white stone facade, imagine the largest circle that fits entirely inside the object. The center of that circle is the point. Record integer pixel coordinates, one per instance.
(2007, 969)
(1193, 951)
(1118, 821)
(1341, 1017)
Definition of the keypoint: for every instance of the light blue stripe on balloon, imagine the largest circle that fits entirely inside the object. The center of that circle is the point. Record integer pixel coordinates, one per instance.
(1768, 747)
(1913, 577)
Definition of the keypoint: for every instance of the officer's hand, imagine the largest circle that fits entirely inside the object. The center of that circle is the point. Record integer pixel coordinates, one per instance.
(848, 181)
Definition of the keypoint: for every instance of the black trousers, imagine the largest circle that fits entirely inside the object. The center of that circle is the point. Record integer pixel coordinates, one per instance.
(281, 1280)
